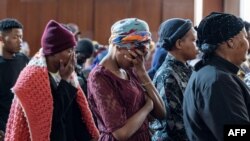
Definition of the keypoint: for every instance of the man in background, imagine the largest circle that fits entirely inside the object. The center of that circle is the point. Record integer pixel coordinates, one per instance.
(84, 50)
(11, 64)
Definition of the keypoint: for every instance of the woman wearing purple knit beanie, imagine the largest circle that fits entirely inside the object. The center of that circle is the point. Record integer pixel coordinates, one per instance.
(49, 104)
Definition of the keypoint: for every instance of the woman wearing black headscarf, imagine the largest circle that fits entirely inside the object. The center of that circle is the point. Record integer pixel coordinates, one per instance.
(178, 37)
(215, 96)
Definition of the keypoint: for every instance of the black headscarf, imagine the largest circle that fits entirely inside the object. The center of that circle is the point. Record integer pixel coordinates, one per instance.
(217, 28)
(171, 30)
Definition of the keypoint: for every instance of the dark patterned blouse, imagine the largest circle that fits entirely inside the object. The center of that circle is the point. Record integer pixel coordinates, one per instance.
(171, 80)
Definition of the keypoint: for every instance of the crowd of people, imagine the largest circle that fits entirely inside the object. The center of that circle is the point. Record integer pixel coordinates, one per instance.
(75, 89)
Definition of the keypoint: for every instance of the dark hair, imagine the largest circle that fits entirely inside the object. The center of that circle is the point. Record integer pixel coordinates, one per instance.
(85, 46)
(171, 30)
(8, 24)
(247, 25)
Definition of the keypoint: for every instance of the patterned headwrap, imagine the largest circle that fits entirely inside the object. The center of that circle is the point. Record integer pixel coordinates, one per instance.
(217, 28)
(130, 32)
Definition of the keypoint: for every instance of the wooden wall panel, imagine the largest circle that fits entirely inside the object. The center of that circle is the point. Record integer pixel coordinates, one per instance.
(3, 7)
(94, 17)
(15, 9)
(107, 13)
(85, 17)
(37, 15)
(79, 12)
(178, 9)
(232, 7)
(147, 10)
(211, 6)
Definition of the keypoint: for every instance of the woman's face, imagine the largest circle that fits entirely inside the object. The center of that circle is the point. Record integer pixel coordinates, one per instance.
(64, 56)
(189, 42)
(120, 58)
(122, 52)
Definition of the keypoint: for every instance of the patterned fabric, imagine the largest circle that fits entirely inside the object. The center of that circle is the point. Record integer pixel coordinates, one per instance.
(245, 67)
(31, 111)
(113, 101)
(171, 80)
(247, 79)
(131, 32)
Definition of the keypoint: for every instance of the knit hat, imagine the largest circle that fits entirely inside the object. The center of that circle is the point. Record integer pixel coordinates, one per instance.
(217, 28)
(56, 38)
(171, 30)
(130, 32)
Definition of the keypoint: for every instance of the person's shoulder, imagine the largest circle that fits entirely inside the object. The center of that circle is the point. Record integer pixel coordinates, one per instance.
(203, 75)
(166, 69)
(206, 69)
(22, 56)
(210, 76)
(97, 72)
(162, 74)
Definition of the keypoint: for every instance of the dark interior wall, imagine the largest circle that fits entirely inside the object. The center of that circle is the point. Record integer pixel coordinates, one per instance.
(94, 17)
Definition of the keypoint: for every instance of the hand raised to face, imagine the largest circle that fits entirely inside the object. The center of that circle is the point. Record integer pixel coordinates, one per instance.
(138, 57)
(66, 70)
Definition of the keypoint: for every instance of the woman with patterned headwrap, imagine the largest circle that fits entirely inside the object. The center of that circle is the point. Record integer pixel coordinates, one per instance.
(121, 94)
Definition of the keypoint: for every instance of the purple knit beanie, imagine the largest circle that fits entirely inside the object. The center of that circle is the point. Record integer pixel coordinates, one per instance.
(56, 38)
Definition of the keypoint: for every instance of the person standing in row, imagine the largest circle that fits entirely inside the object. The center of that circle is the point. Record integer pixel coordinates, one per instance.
(215, 96)
(178, 37)
(11, 64)
(121, 94)
(49, 103)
